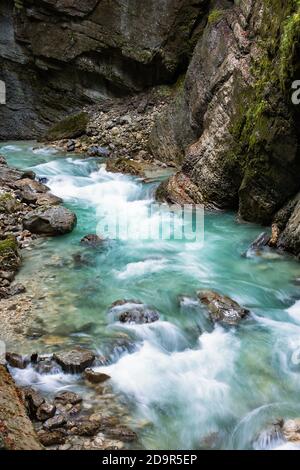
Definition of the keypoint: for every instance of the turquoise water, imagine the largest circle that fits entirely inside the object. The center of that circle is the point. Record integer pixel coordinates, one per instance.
(188, 385)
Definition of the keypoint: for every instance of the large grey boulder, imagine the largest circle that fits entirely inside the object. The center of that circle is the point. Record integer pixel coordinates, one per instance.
(52, 221)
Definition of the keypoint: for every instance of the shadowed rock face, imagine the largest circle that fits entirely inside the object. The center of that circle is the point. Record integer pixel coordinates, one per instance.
(232, 128)
(17, 432)
(57, 55)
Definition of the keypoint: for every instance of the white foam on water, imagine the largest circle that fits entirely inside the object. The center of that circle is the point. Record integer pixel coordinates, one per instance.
(294, 311)
(161, 334)
(45, 150)
(11, 148)
(193, 386)
(48, 383)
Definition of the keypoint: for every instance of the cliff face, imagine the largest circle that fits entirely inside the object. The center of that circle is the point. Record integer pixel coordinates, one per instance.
(57, 55)
(16, 430)
(233, 126)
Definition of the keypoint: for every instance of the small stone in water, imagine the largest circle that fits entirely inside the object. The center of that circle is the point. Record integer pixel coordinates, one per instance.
(95, 377)
(67, 397)
(45, 411)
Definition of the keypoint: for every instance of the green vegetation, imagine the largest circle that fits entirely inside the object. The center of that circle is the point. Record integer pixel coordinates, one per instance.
(69, 128)
(289, 39)
(215, 15)
(8, 245)
(18, 4)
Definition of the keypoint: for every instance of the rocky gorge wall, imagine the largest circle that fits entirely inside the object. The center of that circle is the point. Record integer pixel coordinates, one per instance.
(57, 55)
(233, 129)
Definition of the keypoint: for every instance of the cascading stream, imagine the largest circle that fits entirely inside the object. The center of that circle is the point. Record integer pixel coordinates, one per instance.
(188, 385)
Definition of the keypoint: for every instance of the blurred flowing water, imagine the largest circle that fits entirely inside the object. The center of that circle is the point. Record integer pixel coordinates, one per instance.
(188, 385)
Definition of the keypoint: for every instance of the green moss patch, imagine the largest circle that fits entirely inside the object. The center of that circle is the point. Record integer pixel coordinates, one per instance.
(215, 16)
(8, 245)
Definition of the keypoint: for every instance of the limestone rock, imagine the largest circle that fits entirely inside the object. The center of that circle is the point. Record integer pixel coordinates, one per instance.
(52, 221)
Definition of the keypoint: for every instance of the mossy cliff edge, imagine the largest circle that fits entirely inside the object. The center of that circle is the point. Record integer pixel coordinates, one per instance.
(239, 137)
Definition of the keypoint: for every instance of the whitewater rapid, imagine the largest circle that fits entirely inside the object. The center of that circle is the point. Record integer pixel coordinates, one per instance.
(188, 384)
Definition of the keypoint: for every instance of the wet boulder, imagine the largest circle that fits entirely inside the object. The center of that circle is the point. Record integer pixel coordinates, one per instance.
(222, 309)
(16, 360)
(53, 221)
(75, 361)
(92, 241)
(261, 241)
(95, 377)
(127, 311)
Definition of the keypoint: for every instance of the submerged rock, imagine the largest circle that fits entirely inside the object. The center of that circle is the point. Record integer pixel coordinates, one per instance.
(52, 221)
(261, 241)
(259, 244)
(92, 241)
(222, 309)
(74, 361)
(135, 312)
